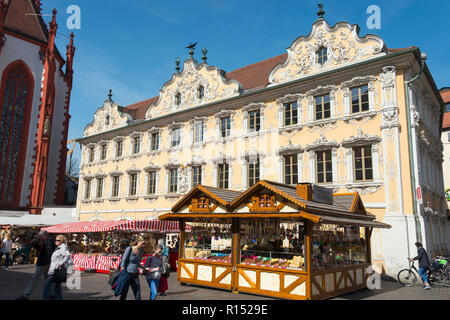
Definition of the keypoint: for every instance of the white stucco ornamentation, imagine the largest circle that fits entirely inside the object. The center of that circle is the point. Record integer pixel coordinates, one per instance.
(107, 117)
(344, 46)
(187, 82)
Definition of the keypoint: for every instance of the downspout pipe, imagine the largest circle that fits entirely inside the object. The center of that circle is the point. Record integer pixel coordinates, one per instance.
(410, 143)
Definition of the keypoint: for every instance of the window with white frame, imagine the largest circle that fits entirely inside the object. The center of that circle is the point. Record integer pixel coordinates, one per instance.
(290, 171)
(136, 144)
(222, 175)
(322, 107)
(100, 187)
(103, 151)
(87, 189)
(254, 121)
(322, 55)
(290, 113)
(151, 182)
(225, 127)
(91, 154)
(362, 163)
(360, 98)
(198, 132)
(324, 166)
(154, 141)
(119, 148)
(196, 175)
(133, 177)
(173, 180)
(253, 171)
(176, 137)
(115, 186)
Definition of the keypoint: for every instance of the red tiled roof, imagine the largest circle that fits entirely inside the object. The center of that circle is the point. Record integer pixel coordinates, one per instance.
(19, 20)
(256, 75)
(446, 120)
(445, 94)
(139, 109)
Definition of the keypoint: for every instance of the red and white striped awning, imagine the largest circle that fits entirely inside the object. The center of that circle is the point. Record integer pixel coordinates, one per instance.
(157, 226)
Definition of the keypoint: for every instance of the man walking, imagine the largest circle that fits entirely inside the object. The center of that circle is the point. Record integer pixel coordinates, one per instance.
(45, 247)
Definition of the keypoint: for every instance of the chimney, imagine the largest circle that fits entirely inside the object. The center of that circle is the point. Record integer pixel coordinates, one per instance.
(305, 191)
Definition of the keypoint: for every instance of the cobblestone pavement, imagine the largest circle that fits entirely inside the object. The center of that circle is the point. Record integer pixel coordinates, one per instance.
(94, 286)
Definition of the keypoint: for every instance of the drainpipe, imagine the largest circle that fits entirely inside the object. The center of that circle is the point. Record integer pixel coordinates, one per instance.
(411, 155)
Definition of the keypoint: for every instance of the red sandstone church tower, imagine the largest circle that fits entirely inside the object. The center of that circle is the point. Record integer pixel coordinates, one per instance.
(35, 89)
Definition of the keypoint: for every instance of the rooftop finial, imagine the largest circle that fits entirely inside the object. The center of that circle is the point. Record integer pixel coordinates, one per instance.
(110, 95)
(321, 13)
(177, 65)
(192, 47)
(204, 51)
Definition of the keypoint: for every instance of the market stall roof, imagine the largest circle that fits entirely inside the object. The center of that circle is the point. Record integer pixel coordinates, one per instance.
(25, 219)
(122, 225)
(306, 202)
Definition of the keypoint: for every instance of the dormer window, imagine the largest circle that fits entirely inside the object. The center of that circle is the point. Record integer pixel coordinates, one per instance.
(322, 55)
(200, 92)
(178, 99)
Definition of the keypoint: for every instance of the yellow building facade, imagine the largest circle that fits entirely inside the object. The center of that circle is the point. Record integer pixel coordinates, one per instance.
(331, 111)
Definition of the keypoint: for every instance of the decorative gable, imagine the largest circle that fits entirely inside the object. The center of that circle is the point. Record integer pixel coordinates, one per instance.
(265, 202)
(202, 203)
(183, 90)
(107, 117)
(342, 46)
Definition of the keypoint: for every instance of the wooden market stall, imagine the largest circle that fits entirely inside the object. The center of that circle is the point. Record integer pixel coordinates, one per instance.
(96, 245)
(294, 242)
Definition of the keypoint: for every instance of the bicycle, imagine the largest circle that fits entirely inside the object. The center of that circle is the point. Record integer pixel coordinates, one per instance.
(408, 278)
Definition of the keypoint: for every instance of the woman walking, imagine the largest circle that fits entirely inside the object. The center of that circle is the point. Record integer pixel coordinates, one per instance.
(424, 264)
(60, 259)
(6, 249)
(153, 265)
(163, 284)
(131, 261)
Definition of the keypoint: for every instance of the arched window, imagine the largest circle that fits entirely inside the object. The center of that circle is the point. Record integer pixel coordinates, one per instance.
(200, 92)
(322, 56)
(178, 99)
(15, 106)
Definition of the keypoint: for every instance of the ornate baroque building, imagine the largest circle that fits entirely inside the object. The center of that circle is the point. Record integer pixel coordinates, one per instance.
(36, 83)
(331, 111)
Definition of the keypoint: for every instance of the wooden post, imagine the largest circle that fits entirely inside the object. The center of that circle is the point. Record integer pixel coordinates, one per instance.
(368, 233)
(235, 255)
(181, 224)
(308, 248)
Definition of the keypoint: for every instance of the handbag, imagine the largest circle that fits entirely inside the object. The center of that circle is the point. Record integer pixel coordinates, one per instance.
(112, 280)
(60, 275)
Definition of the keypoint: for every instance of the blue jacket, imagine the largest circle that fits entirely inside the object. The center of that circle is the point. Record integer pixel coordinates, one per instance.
(121, 282)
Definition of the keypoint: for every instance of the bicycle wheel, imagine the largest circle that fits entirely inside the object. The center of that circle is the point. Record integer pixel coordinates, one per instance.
(440, 277)
(407, 278)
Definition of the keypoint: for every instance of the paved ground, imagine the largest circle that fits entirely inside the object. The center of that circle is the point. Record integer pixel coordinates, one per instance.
(95, 287)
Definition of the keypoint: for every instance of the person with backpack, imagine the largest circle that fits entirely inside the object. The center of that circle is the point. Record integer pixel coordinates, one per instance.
(59, 263)
(44, 246)
(424, 264)
(129, 265)
(153, 265)
(163, 285)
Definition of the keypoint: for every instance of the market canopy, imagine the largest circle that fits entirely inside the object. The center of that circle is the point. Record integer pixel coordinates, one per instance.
(122, 225)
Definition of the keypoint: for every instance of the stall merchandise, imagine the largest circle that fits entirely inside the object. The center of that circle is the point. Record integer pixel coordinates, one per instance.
(294, 242)
(98, 245)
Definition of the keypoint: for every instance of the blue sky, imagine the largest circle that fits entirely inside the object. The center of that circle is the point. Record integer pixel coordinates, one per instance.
(130, 46)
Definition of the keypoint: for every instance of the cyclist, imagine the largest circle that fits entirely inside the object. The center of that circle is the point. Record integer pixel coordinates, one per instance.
(424, 264)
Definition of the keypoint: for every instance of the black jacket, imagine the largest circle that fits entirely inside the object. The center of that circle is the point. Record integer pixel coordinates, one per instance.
(44, 250)
(422, 256)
